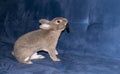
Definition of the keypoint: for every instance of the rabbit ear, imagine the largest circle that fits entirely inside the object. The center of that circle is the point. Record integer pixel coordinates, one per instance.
(44, 21)
(45, 26)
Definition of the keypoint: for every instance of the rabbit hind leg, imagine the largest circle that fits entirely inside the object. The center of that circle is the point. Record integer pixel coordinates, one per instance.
(27, 61)
(36, 56)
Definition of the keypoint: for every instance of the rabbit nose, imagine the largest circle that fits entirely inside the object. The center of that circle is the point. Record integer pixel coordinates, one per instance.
(67, 28)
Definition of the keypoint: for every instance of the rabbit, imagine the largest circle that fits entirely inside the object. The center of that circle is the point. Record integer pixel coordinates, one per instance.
(43, 39)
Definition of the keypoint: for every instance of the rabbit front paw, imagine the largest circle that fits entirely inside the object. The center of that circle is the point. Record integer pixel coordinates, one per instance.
(56, 52)
(57, 59)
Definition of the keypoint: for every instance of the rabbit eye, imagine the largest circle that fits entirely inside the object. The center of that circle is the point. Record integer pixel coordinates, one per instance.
(58, 21)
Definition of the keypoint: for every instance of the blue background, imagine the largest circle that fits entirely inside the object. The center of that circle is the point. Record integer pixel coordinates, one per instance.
(91, 47)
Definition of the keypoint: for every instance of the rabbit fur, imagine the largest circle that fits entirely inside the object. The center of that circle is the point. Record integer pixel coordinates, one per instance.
(43, 39)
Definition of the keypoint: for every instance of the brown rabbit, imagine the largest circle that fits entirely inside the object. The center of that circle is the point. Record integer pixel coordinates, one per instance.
(45, 38)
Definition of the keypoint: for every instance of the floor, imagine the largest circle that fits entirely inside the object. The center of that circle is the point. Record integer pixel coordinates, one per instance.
(69, 64)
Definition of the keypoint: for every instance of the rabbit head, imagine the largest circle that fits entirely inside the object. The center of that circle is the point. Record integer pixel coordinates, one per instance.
(57, 23)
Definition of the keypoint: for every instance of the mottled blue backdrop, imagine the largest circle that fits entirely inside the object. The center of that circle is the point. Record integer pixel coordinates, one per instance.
(91, 47)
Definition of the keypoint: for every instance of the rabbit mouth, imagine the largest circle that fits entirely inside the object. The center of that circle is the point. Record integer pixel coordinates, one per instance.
(67, 28)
